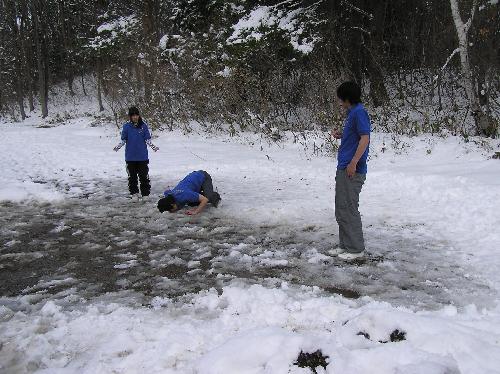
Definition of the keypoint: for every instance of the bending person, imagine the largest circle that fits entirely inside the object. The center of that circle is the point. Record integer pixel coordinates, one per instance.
(196, 189)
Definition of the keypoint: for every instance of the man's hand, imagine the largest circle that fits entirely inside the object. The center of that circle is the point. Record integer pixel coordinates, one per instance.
(336, 134)
(351, 169)
(203, 203)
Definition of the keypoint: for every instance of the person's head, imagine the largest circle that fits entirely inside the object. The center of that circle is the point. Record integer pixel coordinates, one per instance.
(349, 94)
(134, 114)
(167, 204)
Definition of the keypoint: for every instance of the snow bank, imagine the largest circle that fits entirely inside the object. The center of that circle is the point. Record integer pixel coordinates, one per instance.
(47, 163)
(28, 190)
(249, 330)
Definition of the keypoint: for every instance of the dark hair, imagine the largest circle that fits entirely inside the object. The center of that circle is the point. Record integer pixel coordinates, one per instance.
(133, 110)
(349, 91)
(166, 203)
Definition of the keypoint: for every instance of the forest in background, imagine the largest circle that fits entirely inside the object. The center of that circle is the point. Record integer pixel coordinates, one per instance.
(267, 66)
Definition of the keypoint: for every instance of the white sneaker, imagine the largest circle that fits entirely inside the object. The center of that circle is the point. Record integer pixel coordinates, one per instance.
(351, 256)
(336, 251)
(135, 197)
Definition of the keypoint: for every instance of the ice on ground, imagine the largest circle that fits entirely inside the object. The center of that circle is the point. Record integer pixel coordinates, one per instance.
(137, 254)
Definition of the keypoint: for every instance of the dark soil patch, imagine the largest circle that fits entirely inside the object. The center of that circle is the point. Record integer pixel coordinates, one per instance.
(347, 293)
(312, 360)
(365, 334)
(398, 336)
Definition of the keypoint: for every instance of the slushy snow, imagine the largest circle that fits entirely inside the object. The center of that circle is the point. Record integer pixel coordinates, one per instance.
(438, 189)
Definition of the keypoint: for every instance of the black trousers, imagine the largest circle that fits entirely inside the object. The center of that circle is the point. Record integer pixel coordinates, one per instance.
(138, 171)
(207, 190)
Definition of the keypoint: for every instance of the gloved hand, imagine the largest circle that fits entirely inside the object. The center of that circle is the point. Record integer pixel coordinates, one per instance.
(117, 148)
(153, 147)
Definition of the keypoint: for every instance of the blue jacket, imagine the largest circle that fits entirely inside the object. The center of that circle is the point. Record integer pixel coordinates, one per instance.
(135, 137)
(356, 124)
(188, 190)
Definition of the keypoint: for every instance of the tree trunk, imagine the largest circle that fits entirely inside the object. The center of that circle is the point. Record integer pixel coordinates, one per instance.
(19, 85)
(149, 13)
(20, 102)
(68, 63)
(41, 63)
(27, 55)
(99, 84)
(83, 84)
(378, 91)
(462, 29)
(355, 44)
(373, 50)
(19, 63)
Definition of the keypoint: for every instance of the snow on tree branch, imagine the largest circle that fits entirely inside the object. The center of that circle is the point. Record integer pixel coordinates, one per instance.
(261, 19)
(473, 12)
(457, 50)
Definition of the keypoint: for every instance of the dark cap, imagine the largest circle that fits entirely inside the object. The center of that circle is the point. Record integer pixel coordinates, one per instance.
(166, 203)
(133, 110)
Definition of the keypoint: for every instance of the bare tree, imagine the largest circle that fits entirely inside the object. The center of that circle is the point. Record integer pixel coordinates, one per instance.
(41, 58)
(99, 83)
(462, 29)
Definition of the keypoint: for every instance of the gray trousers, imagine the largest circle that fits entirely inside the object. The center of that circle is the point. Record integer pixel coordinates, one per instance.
(347, 192)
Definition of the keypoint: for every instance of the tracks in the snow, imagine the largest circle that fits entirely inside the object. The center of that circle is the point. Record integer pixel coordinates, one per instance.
(102, 243)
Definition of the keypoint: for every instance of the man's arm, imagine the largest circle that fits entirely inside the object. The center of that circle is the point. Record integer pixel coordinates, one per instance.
(124, 139)
(199, 209)
(363, 143)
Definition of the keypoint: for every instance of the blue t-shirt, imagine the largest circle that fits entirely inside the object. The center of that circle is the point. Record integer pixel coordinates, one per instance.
(356, 124)
(135, 137)
(188, 189)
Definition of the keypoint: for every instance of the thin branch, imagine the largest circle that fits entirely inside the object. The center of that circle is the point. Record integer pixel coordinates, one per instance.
(469, 22)
(457, 50)
(361, 29)
(369, 15)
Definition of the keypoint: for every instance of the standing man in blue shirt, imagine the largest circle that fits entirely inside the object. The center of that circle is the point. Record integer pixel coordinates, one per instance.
(196, 189)
(136, 136)
(351, 171)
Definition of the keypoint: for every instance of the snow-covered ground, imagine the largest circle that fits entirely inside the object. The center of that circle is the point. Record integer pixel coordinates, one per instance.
(92, 283)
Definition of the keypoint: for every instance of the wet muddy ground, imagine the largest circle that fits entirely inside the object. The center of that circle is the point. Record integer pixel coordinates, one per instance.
(102, 243)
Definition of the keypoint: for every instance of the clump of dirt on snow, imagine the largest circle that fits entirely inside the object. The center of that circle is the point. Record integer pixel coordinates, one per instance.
(312, 360)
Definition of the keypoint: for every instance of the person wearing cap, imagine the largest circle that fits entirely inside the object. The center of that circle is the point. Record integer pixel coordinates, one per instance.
(136, 137)
(196, 189)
